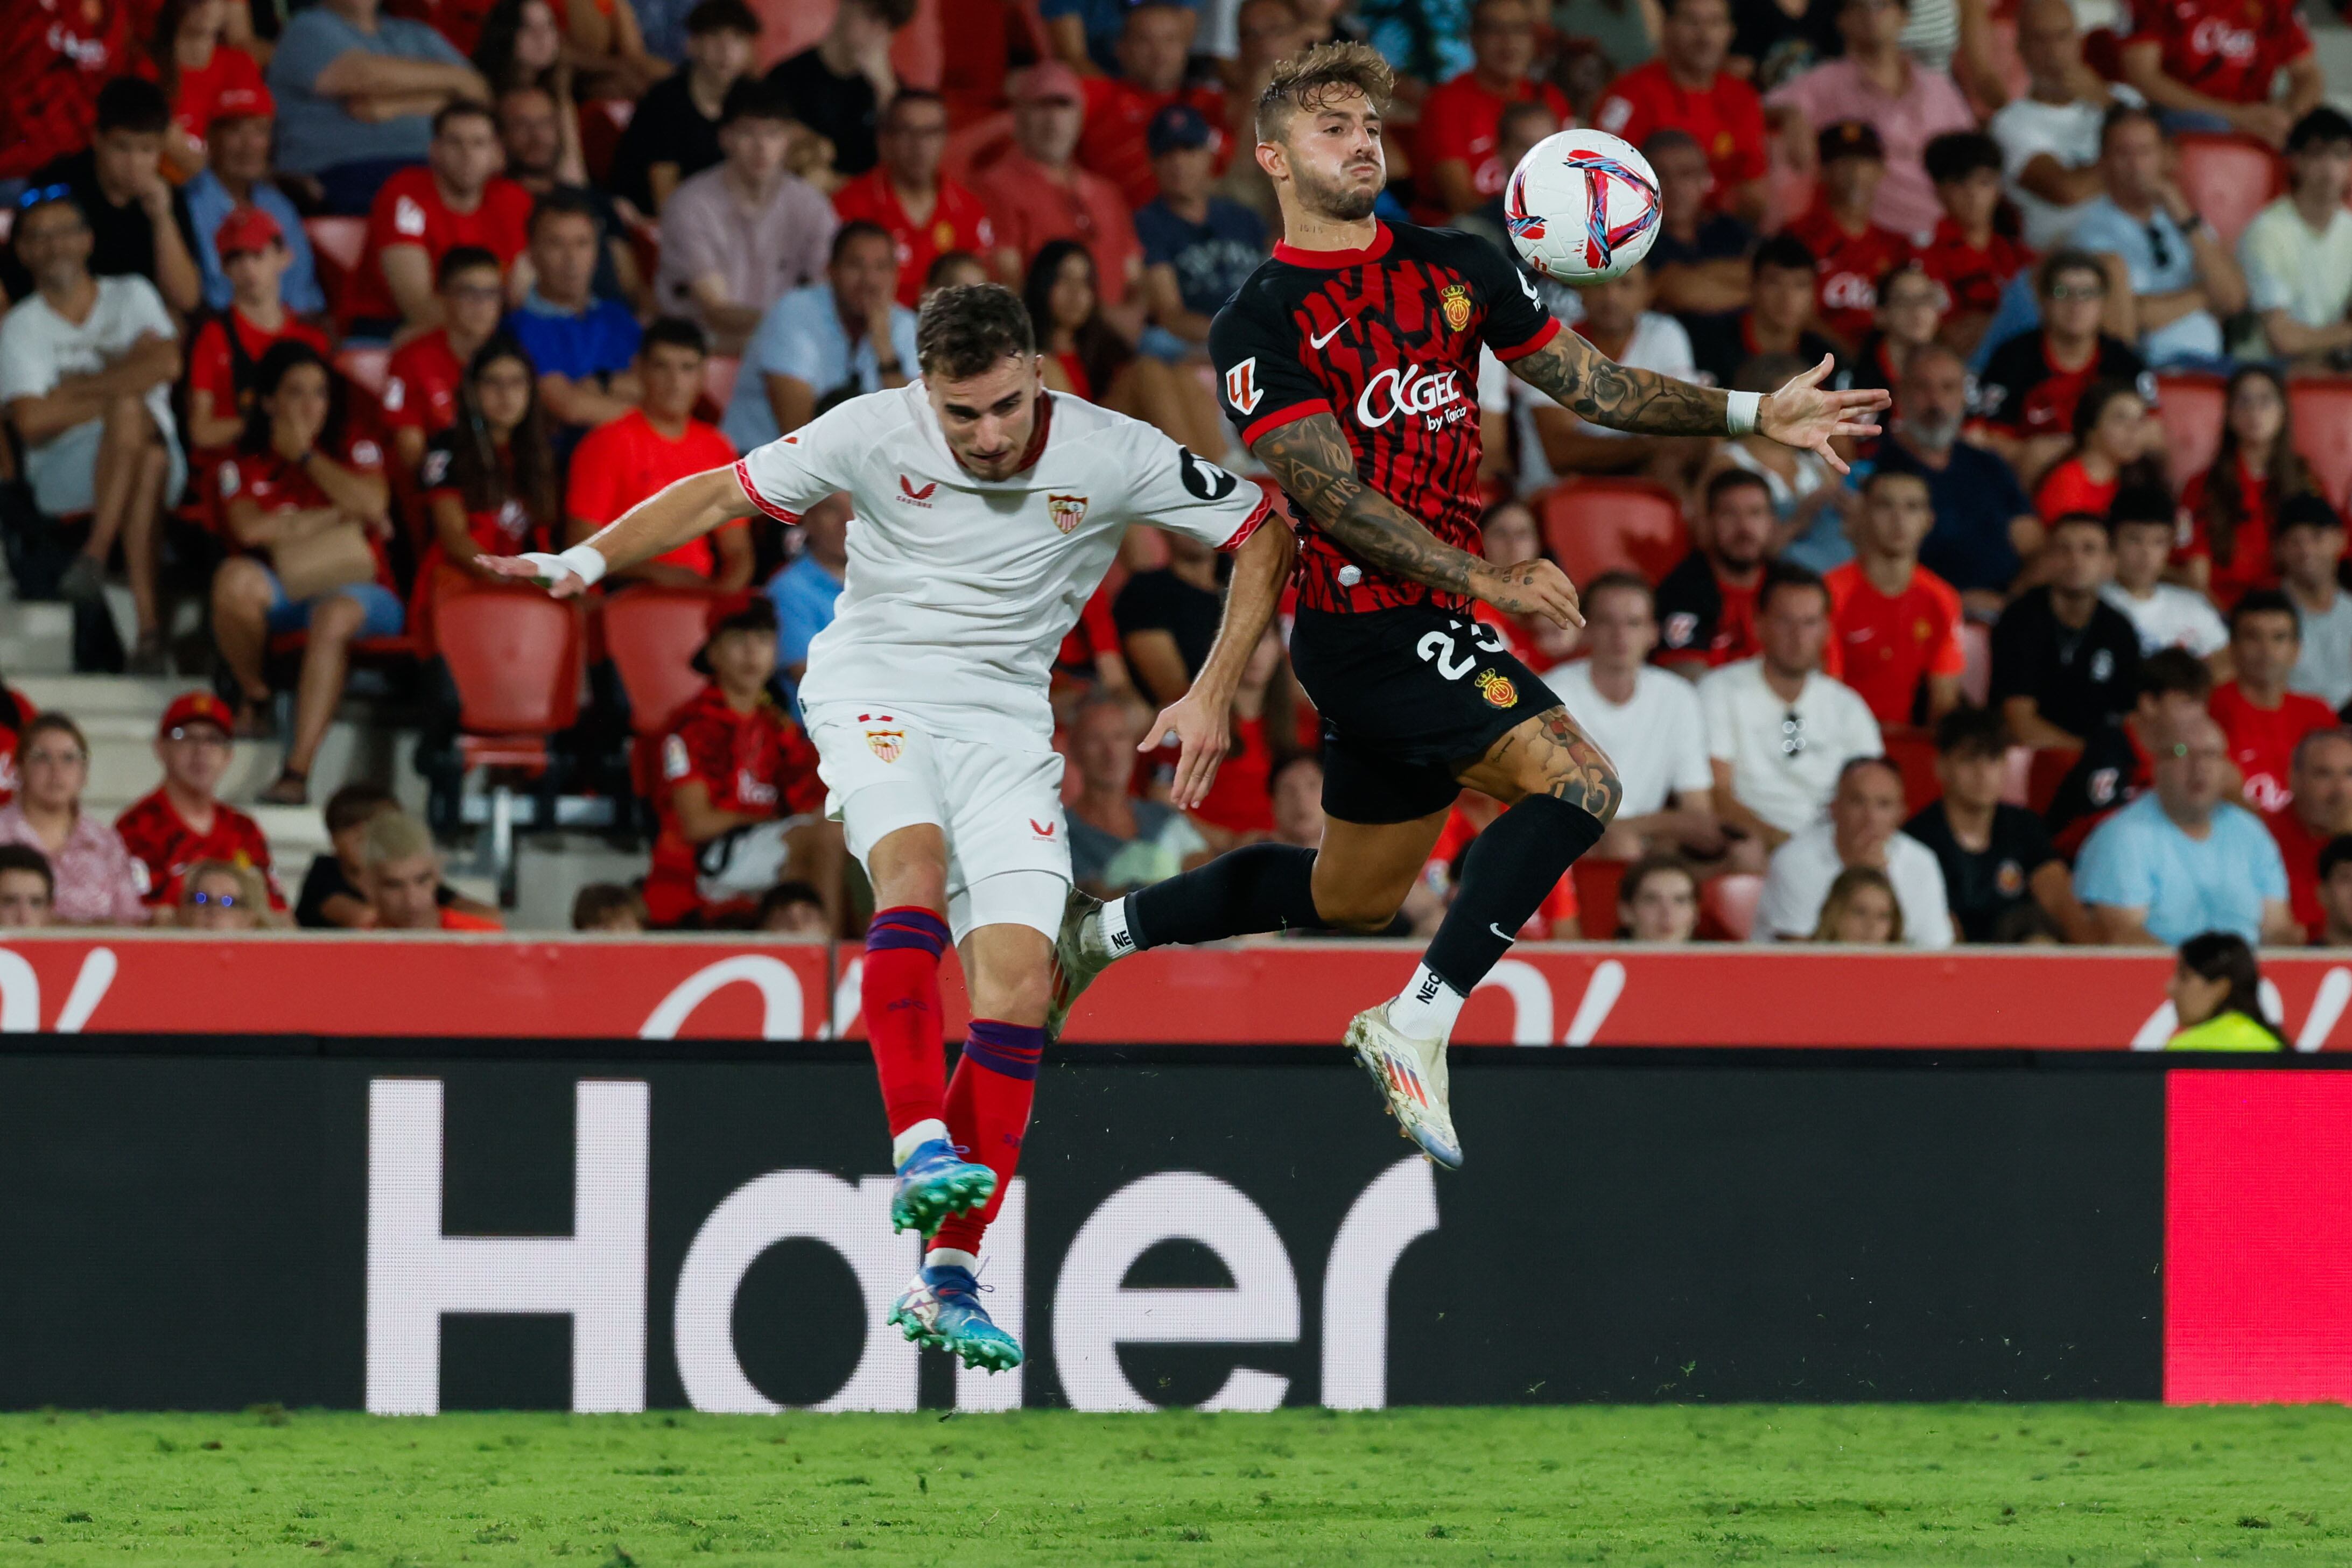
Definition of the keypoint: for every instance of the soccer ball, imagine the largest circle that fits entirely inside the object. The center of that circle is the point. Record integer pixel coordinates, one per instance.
(1582, 206)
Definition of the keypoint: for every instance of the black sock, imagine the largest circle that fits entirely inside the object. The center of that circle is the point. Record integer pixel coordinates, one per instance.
(1259, 887)
(1510, 870)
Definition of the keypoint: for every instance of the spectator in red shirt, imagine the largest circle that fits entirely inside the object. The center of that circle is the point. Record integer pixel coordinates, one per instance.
(734, 762)
(60, 53)
(185, 822)
(2319, 813)
(1035, 193)
(2232, 507)
(400, 874)
(2115, 444)
(2262, 720)
(229, 347)
(1688, 90)
(1455, 167)
(1706, 606)
(654, 444)
(2025, 400)
(490, 480)
(1851, 251)
(204, 73)
(1897, 626)
(458, 197)
(421, 387)
(1968, 256)
(2211, 64)
(306, 496)
(926, 214)
(1154, 45)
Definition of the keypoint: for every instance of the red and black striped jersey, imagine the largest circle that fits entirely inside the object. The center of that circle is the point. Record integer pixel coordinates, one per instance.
(1386, 340)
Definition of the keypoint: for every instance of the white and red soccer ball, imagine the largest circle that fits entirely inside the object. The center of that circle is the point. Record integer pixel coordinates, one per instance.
(1582, 206)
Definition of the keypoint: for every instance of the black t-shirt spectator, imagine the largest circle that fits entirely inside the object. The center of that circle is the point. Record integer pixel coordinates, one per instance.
(1987, 887)
(2021, 393)
(1720, 237)
(1163, 601)
(1975, 496)
(121, 239)
(2110, 771)
(841, 108)
(665, 128)
(1696, 618)
(2082, 680)
(325, 880)
(1721, 344)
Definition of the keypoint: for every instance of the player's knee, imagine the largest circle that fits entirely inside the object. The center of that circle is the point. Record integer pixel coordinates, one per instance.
(1356, 910)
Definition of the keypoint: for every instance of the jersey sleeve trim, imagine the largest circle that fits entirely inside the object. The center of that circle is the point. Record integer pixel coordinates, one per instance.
(1250, 525)
(1544, 334)
(1282, 416)
(743, 477)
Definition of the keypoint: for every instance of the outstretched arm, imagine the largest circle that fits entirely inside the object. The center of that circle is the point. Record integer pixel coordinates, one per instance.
(1200, 719)
(658, 524)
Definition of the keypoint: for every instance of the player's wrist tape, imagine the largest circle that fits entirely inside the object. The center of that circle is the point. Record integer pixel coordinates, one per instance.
(582, 561)
(1741, 413)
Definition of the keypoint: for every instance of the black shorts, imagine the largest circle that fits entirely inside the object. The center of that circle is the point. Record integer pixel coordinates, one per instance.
(1408, 697)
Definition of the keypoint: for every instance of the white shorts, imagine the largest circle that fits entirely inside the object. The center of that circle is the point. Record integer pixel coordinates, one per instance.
(999, 807)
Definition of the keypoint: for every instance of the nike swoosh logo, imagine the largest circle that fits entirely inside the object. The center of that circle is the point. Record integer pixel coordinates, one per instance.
(1500, 932)
(1319, 342)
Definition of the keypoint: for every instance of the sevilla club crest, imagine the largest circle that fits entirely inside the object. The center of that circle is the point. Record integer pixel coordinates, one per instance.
(887, 743)
(1454, 300)
(1067, 511)
(1497, 688)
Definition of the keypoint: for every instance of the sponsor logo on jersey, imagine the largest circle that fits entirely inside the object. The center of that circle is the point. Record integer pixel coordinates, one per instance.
(1242, 390)
(1409, 392)
(1497, 688)
(675, 762)
(753, 790)
(909, 495)
(1204, 478)
(1454, 300)
(407, 217)
(1043, 830)
(1067, 511)
(887, 743)
(2009, 879)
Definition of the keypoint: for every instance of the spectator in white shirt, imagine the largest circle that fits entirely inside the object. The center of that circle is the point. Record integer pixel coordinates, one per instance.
(1779, 731)
(2297, 252)
(2141, 525)
(2050, 137)
(738, 236)
(1646, 719)
(2307, 544)
(1865, 828)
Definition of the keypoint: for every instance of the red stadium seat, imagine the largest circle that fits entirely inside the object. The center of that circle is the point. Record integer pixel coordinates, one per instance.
(651, 634)
(1594, 526)
(2322, 432)
(602, 120)
(2228, 179)
(1913, 752)
(1727, 906)
(1597, 882)
(1976, 673)
(2191, 408)
(339, 243)
(366, 368)
(516, 659)
(2051, 765)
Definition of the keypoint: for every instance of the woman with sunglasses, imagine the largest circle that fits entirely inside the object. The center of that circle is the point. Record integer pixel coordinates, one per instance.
(220, 895)
(96, 882)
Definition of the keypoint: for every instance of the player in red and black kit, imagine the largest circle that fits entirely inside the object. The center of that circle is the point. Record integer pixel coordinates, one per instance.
(1350, 362)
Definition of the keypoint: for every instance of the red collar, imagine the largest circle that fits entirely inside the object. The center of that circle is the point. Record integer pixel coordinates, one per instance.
(1381, 239)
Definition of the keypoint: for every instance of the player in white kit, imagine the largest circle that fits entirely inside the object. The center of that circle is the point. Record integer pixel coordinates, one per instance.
(987, 511)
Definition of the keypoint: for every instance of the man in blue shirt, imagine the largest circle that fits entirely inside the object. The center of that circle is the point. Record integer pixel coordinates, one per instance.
(1198, 249)
(848, 331)
(1078, 29)
(584, 348)
(237, 174)
(356, 94)
(805, 592)
(2180, 860)
(2183, 278)
(1985, 527)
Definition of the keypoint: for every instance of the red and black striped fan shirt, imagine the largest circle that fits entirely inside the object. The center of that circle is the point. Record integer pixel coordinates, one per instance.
(1386, 339)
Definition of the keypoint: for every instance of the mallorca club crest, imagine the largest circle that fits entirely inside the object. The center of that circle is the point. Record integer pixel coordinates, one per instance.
(1067, 511)
(1497, 688)
(1454, 300)
(886, 744)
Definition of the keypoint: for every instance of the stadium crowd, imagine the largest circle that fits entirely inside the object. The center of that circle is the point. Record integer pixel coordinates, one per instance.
(308, 304)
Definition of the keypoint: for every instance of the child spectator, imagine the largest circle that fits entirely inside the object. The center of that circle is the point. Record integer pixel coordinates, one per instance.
(2182, 279)
(2260, 718)
(1902, 104)
(400, 869)
(2232, 507)
(490, 480)
(138, 224)
(2065, 664)
(1506, 535)
(584, 346)
(2027, 394)
(1852, 249)
(792, 909)
(2209, 66)
(1896, 624)
(304, 500)
(28, 891)
(1455, 161)
(806, 591)
(1708, 605)
(656, 442)
(2319, 813)
(848, 333)
(94, 880)
(58, 57)
(2113, 442)
(1648, 721)
(1778, 320)
(1297, 789)
(1197, 248)
(1909, 317)
(1698, 263)
(237, 175)
(1863, 830)
(421, 389)
(219, 895)
(1154, 44)
(229, 347)
(86, 371)
(608, 907)
(1985, 528)
(2297, 252)
(733, 761)
(1779, 731)
(331, 896)
(2140, 527)
(838, 86)
(185, 822)
(2309, 547)
(458, 197)
(926, 213)
(203, 75)
(741, 235)
(674, 130)
(2050, 137)
(1972, 260)
(1086, 355)
(1034, 194)
(2002, 880)
(1688, 90)
(2217, 997)
(1861, 910)
(2335, 894)
(1658, 899)
(356, 92)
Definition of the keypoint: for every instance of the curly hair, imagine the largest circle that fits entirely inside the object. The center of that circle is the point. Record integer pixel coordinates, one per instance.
(1309, 83)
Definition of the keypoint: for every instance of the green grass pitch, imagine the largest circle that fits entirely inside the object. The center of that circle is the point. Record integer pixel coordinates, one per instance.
(1927, 1484)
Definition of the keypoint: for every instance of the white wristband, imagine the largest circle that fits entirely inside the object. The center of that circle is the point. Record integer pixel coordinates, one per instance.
(1741, 413)
(582, 561)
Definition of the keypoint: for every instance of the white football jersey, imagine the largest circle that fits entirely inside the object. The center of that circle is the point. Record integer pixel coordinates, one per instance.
(959, 590)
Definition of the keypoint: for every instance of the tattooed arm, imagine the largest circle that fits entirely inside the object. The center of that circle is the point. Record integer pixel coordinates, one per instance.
(1315, 466)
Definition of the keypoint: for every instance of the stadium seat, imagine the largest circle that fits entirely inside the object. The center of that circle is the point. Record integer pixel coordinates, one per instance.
(1913, 752)
(517, 662)
(1594, 526)
(2049, 770)
(2322, 432)
(365, 368)
(1727, 906)
(1976, 673)
(339, 244)
(602, 120)
(1597, 882)
(651, 634)
(2017, 780)
(2191, 408)
(2228, 179)
(975, 147)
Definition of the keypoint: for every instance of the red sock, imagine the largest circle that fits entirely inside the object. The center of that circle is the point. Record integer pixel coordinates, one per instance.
(900, 993)
(988, 1112)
